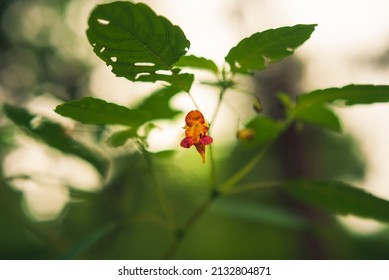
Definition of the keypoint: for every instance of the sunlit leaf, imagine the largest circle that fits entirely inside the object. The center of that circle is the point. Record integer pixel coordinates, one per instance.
(192, 61)
(158, 103)
(340, 198)
(260, 49)
(54, 135)
(348, 95)
(319, 115)
(90, 110)
(138, 44)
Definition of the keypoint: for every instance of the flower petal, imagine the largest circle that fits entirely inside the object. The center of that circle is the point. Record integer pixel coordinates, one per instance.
(187, 142)
(193, 117)
(206, 140)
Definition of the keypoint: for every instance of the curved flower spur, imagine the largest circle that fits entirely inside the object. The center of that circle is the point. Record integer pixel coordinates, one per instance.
(196, 129)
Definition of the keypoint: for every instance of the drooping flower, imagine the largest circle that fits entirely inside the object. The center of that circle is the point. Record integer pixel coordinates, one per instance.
(196, 129)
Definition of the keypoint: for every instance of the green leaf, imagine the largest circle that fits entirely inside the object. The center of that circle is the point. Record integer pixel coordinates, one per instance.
(348, 95)
(90, 110)
(202, 63)
(120, 138)
(138, 44)
(182, 81)
(340, 198)
(260, 213)
(164, 154)
(265, 130)
(158, 103)
(318, 115)
(260, 49)
(54, 135)
(89, 241)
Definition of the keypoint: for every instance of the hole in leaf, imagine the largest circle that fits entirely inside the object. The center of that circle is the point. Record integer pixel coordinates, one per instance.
(144, 64)
(289, 49)
(237, 64)
(102, 49)
(163, 72)
(103, 21)
(139, 75)
(114, 58)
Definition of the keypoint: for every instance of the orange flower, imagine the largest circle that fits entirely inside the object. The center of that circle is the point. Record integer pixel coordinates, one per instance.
(196, 129)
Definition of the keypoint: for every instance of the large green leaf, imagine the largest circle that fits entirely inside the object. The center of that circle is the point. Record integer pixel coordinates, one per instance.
(260, 49)
(90, 110)
(192, 61)
(348, 95)
(158, 103)
(340, 198)
(318, 115)
(138, 44)
(54, 135)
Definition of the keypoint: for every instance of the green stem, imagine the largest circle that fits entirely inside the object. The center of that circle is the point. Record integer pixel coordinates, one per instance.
(194, 101)
(226, 186)
(181, 233)
(212, 170)
(216, 112)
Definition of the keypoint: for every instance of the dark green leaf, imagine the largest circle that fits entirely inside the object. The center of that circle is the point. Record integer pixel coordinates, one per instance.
(260, 49)
(89, 110)
(120, 138)
(340, 198)
(318, 115)
(158, 103)
(198, 63)
(182, 81)
(54, 135)
(137, 43)
(89, 241)
(260, 213)
(348, 95)
(265, 130)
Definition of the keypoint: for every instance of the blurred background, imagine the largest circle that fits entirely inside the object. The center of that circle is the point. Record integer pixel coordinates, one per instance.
(58, 206)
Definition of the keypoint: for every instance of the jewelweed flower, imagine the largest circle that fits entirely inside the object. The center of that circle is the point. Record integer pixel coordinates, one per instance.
(196, 129)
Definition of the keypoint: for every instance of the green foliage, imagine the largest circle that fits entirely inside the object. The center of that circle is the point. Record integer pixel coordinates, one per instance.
(157, 103)
(138, 44)
(340, 198)
(120, 138)
(260, 49)
(319, 115)
(54, 135)
(196, 62)
(265, 130)
(348, 95)
(159, 196)
(89, 110)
